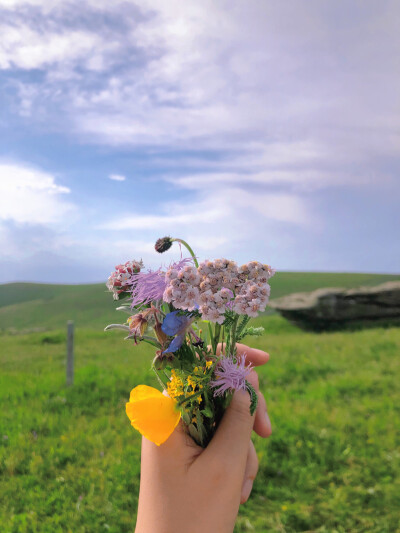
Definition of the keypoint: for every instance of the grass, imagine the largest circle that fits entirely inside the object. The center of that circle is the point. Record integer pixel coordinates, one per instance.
(30, 306)
(69, 461)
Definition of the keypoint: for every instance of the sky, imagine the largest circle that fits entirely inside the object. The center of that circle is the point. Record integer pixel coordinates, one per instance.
(263, 130)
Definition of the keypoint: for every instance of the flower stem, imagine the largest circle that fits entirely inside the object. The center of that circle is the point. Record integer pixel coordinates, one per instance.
(164, 385)
(217, 333)
(190, 397)
(210, 331)
(189, 248)
(233, 332)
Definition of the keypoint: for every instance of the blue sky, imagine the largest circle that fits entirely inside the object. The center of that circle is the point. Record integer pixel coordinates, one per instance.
(255, 130)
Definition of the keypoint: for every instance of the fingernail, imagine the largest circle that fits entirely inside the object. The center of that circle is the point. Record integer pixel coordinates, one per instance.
(261, 353)
(246, 490)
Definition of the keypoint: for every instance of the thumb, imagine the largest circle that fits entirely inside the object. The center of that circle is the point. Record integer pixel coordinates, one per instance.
(231, 441)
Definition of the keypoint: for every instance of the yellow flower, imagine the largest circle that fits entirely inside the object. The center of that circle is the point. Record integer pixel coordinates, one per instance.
(191, 383)
(175, 385)
(208, 364)
(152, 413)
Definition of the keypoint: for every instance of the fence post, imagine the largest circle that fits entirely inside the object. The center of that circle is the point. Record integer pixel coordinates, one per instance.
(70, 353)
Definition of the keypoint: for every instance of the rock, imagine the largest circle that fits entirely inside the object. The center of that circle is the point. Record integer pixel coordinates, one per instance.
(333, 308)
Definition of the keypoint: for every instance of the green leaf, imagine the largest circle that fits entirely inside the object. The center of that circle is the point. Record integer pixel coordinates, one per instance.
(254, 332)
(123, 295)
(190, 314)
(194, 433)
(253, 397)
(185, 417)
(243, 323)
(207, 412)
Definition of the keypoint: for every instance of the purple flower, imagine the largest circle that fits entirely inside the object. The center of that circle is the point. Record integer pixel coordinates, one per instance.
(178, 325)
(230, 376)
(186, 261)
(147, 287)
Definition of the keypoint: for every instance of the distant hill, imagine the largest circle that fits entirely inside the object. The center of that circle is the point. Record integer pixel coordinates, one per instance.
(27, 306)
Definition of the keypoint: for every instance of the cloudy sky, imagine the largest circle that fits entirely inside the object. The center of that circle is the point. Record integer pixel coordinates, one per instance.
(261, 130)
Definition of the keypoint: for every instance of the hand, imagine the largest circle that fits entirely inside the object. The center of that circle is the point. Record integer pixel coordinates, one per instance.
(187, 489)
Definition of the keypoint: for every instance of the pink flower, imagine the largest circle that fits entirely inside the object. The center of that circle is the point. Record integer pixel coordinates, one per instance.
(119, 280)
(230, 375)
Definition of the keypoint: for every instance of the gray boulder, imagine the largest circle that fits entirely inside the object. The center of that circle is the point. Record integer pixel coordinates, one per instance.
(334, 308)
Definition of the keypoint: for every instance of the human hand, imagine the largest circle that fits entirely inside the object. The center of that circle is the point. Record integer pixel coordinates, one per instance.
(185, 488)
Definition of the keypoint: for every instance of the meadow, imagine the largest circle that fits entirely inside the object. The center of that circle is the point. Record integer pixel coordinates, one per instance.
(69, 460)
(32, 306)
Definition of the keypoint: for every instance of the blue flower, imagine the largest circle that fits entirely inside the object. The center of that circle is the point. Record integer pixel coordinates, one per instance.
(175, 324)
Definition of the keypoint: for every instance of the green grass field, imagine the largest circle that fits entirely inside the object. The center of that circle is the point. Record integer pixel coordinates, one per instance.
(29, 306)
(69, 460)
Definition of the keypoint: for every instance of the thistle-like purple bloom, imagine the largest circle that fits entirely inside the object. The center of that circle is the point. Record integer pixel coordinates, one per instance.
(182, 263)
(230, 376)
(147, 287)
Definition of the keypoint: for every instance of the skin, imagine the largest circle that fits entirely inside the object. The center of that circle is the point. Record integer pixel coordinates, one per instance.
(185, 488)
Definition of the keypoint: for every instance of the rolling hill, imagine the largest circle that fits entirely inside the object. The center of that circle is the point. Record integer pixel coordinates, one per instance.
(29, 306)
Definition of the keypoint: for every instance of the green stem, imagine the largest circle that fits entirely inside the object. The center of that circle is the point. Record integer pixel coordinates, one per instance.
(231, 339)
(151, 340)
(234, 326)
(190, 397)
(146, 338)
(211, 338)
(161, 382)
(216, 334)
(189, 248)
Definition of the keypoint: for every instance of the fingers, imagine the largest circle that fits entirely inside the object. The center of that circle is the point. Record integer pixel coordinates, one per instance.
(176, 454)
(253, 355)
(229, 446)
(262, 423)
(178, 448)
(250, 473)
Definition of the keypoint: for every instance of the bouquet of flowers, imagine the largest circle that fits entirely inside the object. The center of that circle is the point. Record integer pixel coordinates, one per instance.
(193, 314)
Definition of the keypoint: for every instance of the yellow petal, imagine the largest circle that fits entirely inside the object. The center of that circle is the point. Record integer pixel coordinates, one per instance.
(152, 413)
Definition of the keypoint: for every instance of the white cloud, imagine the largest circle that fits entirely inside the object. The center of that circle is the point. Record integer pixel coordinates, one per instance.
(25, 48)
(221, 217)
(178, 215)
(117, 177)
(273, 83)
(247, 106)
(31, 196)
(286, 94)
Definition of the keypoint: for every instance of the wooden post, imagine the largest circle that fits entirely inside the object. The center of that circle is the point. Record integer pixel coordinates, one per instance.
(70, 353)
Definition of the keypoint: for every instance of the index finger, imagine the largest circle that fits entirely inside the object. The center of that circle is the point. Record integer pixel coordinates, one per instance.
(252, 355)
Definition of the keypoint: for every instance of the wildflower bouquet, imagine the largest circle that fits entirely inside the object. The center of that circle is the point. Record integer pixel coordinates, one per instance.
(185, 312)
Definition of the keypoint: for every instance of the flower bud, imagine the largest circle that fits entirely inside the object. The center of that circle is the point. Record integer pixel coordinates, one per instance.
(161, 336)
(137, 324)
(163, 244)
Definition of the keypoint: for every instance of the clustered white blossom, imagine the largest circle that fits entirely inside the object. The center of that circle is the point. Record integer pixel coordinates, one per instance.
(253, 293)
(182, 287)
(118, 281)
(217, 286)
